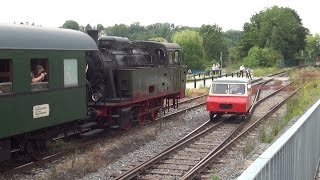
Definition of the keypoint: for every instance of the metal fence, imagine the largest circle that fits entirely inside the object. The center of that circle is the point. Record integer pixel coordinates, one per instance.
(294, 156)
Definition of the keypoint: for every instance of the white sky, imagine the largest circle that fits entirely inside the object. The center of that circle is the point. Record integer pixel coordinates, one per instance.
(229, 14)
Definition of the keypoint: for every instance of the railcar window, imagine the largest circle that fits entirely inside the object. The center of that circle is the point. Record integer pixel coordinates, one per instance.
(39, 74)
(5, 76)
(237, 89)
(220, 88)
(70, 72)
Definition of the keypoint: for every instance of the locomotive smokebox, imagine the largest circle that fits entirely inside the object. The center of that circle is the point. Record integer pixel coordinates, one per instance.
(94, 34)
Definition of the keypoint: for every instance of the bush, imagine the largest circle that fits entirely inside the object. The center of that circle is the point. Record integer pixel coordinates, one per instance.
(262, 57)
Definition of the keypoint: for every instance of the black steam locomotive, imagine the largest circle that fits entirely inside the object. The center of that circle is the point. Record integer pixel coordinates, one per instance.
(130, 81)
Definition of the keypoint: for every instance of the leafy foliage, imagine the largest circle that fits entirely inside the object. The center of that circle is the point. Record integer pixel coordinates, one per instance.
(100, 27)
(213, 42)
(278, 28)
(264, 57)
(158, 39)
(313, 45)
(71, 24)
(232, 37)
(120, 30)
(191, 43)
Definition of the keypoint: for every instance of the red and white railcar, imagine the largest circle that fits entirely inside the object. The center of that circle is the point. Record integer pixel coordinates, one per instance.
(229, 95)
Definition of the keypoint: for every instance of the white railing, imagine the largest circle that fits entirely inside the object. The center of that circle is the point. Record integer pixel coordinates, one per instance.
(294, 156)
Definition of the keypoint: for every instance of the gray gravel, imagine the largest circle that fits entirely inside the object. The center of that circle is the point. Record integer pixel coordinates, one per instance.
(171, 131)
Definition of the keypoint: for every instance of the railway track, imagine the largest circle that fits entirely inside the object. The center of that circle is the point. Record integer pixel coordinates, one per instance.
(185, 156)
(25, 165)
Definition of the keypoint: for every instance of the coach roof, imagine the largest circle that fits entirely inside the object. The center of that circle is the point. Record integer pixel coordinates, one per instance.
(31, 37)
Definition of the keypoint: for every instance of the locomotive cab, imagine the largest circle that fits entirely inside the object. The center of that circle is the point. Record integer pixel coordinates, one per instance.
(229, 95)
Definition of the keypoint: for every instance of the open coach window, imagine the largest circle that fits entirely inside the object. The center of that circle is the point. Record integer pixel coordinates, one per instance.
(5, 76)
(39, 74)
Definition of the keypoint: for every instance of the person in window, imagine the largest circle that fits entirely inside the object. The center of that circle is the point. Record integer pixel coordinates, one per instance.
(38, 74)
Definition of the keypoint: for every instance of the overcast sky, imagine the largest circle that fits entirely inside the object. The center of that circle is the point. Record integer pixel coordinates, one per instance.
(229, 14)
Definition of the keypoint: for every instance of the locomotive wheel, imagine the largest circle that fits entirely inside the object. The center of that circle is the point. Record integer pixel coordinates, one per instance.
(154, 114)
(128, 125)
(141, 119)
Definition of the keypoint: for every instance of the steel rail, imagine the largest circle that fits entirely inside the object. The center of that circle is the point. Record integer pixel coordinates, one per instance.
(147, 164)
(207, 161)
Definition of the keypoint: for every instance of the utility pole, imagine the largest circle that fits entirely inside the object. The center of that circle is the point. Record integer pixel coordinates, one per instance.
(220, 59)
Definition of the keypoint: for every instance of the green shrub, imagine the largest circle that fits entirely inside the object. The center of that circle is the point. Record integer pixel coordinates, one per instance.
(262, 57)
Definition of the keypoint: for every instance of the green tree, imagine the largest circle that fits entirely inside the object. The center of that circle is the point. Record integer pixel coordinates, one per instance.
(262, 57)
(71, 24)
(137, 32)
(278, 28)
(313, 45)
(158, 39)
(117, 30)
(100, 27)
(164, 30)
(213, 42)
(234, 56)
(191, 43)
(232, 37)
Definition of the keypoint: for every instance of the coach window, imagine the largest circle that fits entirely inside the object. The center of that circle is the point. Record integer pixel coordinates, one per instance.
(39, 74)
(5, 76)
(70, 72)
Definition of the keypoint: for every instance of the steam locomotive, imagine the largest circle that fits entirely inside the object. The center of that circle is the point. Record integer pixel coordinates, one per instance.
(130, 80)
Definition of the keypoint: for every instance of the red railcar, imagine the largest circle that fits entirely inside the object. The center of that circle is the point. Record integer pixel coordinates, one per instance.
(229, 95)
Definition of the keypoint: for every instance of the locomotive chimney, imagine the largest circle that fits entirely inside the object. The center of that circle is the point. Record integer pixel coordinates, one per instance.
(94, 34)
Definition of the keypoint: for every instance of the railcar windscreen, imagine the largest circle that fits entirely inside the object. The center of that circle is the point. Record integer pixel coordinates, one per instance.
(237, 89)
(219, 88)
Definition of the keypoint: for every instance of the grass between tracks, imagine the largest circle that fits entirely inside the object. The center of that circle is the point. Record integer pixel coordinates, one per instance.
(264, 71)
(309, 80)
(79, 165)
(196, 92)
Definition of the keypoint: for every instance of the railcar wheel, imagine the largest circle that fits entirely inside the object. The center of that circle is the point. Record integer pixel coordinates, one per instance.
(212, 116)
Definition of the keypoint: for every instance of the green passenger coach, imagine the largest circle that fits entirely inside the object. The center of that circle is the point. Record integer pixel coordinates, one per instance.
(60, 97)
